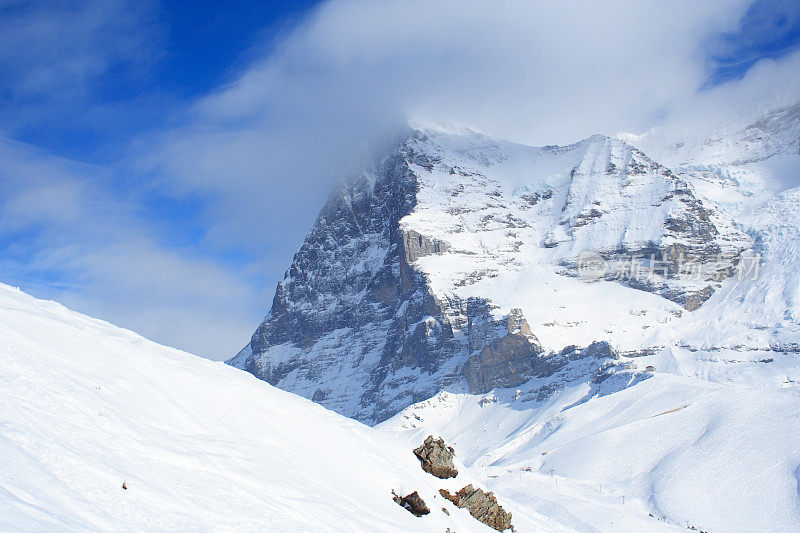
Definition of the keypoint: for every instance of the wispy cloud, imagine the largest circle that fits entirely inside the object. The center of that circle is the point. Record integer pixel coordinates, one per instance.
(56, 59)
(267, 147)
(69, 238)
(767, 30)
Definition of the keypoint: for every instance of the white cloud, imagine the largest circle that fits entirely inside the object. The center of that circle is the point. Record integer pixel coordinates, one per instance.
(768, 84)
(266, 148)
(538, 71)
(69, 238)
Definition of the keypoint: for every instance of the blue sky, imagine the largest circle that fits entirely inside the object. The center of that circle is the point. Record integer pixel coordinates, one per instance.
(170, 52)
(768, 29)
(161, 161)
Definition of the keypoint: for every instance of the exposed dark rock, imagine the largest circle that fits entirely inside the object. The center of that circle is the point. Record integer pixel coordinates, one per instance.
(417, 245)
(319, 395)
(482, 506)
(698, 298)
(436, 458)
(412, 503)
(517, 325)
(599, 350)
(507, 361)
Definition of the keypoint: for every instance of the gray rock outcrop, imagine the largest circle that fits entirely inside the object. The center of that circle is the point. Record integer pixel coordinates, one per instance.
(507, 361)
(436, 458)
(482, 506)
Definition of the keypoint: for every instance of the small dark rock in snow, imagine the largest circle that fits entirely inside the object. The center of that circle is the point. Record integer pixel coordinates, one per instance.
(412, 503)
(436, 458)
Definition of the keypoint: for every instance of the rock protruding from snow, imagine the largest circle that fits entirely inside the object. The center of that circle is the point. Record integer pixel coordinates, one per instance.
(481, 505)
(517, 324)
(599, 350)
(436, 458)
(412, 503)
(506, 362)
(417, 245)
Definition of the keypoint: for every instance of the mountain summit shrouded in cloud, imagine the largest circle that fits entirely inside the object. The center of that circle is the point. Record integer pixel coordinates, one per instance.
(221, 132)
(458, 265)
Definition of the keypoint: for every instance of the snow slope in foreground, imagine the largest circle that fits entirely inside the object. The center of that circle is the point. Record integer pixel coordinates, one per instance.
(86, 406)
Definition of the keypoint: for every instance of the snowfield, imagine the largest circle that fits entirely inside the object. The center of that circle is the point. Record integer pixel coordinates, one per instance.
(86, 407)
(720, 458)
(199, 445)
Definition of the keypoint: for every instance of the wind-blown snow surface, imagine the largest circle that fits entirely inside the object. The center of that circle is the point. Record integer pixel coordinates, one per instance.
(690, 452)
(86, 406)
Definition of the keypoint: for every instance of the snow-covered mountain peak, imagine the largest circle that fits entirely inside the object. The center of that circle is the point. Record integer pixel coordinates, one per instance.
(406, 282)
(550, 204)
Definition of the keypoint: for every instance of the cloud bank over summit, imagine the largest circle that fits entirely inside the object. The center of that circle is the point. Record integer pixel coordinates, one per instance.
(532, 72)
(248, 163)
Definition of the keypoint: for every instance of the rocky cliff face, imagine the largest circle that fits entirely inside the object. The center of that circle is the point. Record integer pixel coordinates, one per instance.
(748, 174)
(434, 268)
(354, 325)
(506, 361)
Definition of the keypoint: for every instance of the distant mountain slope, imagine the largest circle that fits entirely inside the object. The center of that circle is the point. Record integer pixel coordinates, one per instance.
(415, 270)
(86, 407)
(769, 297)
(752, 324)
